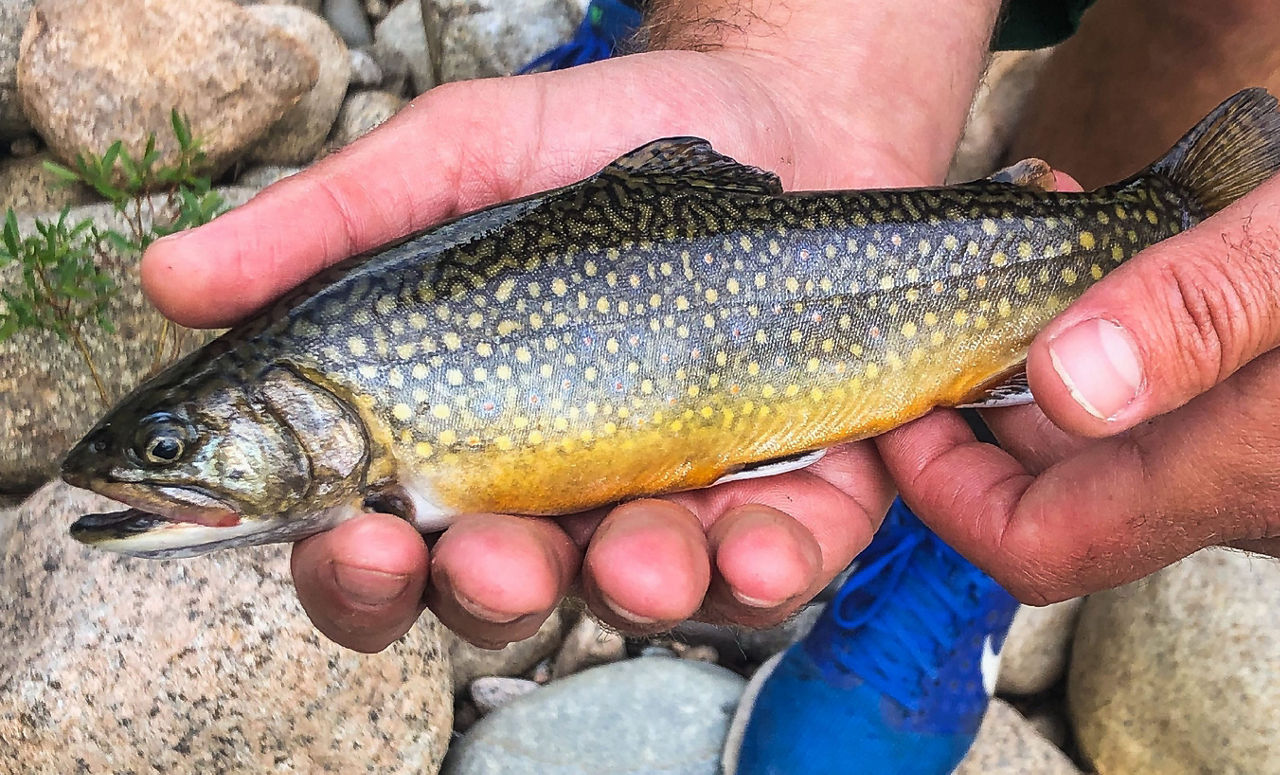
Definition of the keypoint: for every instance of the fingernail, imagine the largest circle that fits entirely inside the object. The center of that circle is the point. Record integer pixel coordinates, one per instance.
(1098, 362)
(368, 587)
(755, 602)
(622, 612)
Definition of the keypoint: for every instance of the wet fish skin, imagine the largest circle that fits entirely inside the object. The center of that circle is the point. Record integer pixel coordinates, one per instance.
(653, 328)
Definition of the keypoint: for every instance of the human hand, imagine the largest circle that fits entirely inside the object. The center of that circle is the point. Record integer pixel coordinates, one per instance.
(1156, 430)
(748, 552)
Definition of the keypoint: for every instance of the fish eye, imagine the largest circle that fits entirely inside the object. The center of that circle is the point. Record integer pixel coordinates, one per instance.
(162, 438)
(163, 449)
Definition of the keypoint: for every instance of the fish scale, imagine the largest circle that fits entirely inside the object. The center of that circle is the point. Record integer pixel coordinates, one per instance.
(671, 321)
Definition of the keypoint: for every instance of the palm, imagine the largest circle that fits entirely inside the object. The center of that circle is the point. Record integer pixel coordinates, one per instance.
(464, 146)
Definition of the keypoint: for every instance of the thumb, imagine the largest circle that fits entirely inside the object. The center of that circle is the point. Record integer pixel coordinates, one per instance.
(1170, 324)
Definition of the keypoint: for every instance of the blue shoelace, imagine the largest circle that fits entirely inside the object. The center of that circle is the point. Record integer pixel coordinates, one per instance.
(606, 24)
(943, 593)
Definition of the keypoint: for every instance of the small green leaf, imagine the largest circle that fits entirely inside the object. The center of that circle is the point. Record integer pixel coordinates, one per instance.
(64, 174)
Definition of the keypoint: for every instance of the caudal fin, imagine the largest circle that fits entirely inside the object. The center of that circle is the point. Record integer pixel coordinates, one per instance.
(1231, 152)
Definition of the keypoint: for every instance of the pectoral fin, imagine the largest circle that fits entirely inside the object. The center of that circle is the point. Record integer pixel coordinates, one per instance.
(778, 465)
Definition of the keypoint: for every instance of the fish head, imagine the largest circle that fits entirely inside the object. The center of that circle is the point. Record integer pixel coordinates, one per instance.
(210, 463)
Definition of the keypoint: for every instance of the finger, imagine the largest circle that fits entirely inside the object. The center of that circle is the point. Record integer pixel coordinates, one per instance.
(647, 567)
(840, 501)
(1167, 326)
(1026, 433)
(765, 565)
(361, 583)
(1118, 510)
(495, 578)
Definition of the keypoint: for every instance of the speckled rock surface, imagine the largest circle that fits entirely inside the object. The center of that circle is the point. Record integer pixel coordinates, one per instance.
(110, 664)
(297, 138)
(350, 21)
(1007, 744)
(468, 662)
(47, 402)
(400, 40)
(484, 38)
(1035, 652)
(13, 20)
(636, 717)
(26, 186)
(1177, 673)
(95, 71)
(362, 112)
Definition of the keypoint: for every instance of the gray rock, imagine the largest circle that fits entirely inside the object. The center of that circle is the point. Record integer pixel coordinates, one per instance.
(298, 137)
(484, 38)
(1007, 744)
(95, 71)
(48, 401)
(13, 20)
(1034, 656)
(265, 175)
(112, 664)
(469, 662)
(366, 73)
(588, 644)
(361, 112)
(348, 18)
(490, 692)
(26, 186)
(400, 40)
(641, 716)
(1176, 673)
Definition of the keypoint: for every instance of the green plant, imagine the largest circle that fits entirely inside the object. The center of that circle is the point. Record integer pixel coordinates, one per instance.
(64, 278)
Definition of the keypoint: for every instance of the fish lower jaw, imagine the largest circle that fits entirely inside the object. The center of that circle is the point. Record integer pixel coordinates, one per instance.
(139, 534)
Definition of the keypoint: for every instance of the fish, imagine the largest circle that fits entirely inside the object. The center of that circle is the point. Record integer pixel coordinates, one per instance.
(673, 322)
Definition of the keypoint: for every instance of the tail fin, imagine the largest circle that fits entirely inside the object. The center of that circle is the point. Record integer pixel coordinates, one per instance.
(1232, 151)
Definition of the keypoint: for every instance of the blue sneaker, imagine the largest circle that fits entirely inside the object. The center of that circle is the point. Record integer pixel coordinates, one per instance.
(606, 24)
(895, 675)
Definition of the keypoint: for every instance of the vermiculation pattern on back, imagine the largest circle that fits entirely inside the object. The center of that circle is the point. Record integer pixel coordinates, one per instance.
(619, 312)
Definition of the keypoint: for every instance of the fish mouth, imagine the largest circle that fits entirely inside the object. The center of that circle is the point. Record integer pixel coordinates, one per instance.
(140, 533)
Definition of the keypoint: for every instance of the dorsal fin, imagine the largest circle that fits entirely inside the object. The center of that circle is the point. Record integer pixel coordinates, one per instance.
(692, 160)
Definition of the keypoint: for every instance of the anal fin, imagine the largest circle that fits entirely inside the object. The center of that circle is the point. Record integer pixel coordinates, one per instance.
(1029, 173)
(1010, 390)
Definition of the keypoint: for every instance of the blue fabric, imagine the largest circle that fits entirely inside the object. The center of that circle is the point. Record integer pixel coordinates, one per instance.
(889, 680)
(604, 26)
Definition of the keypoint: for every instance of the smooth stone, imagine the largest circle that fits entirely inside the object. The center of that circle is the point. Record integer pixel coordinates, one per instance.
(95, 71)
(350, 21)
(264, 175)
(13, 20)
(366, 73)
(994, 115)
(490, 692)
(1008, 744)
(401, 37)
(114, 664)
(1034, 656)
(298, 137)
(588, 644)
(47, 395)
(26, 186)
(637, 717)
(485, 38)
(1176, 673)
(468, 662)
(742, 646)
(362, 112)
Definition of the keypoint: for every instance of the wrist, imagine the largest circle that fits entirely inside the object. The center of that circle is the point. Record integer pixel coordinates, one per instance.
(889, 81)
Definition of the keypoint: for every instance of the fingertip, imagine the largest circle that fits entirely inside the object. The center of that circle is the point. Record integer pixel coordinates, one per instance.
(647, 567)
(175, 282)
(765, 557)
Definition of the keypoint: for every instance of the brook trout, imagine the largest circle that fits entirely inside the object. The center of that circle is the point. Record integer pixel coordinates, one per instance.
(669, 323)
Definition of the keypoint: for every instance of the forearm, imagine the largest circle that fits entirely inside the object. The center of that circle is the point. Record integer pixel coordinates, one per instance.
(896, 76)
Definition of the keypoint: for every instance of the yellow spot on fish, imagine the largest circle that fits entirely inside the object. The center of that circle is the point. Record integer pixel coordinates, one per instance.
(712, 295)
(989, 227)
(1022, 285)
(368, 372)
(419, 371)
(960, 318)
(453, 377)
(886, 282)
(1003, 307)
(1152, 218)
(1095, 272)
(357, 346)
(440, 411)
(1086, 240)
(402, 412)
(1069, 276)
(423, 449)
(732, 285)
(395, 378)
(909, 329)
(873, 370)
(451, 340)
(602, 305)
(558, 286)
(999, 259)
(484, 349)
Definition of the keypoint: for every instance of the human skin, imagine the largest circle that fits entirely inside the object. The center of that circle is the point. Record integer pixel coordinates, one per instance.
(825, 94)
(1187, 455)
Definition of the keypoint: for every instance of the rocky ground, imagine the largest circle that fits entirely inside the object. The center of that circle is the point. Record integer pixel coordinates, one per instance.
(116, 665)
